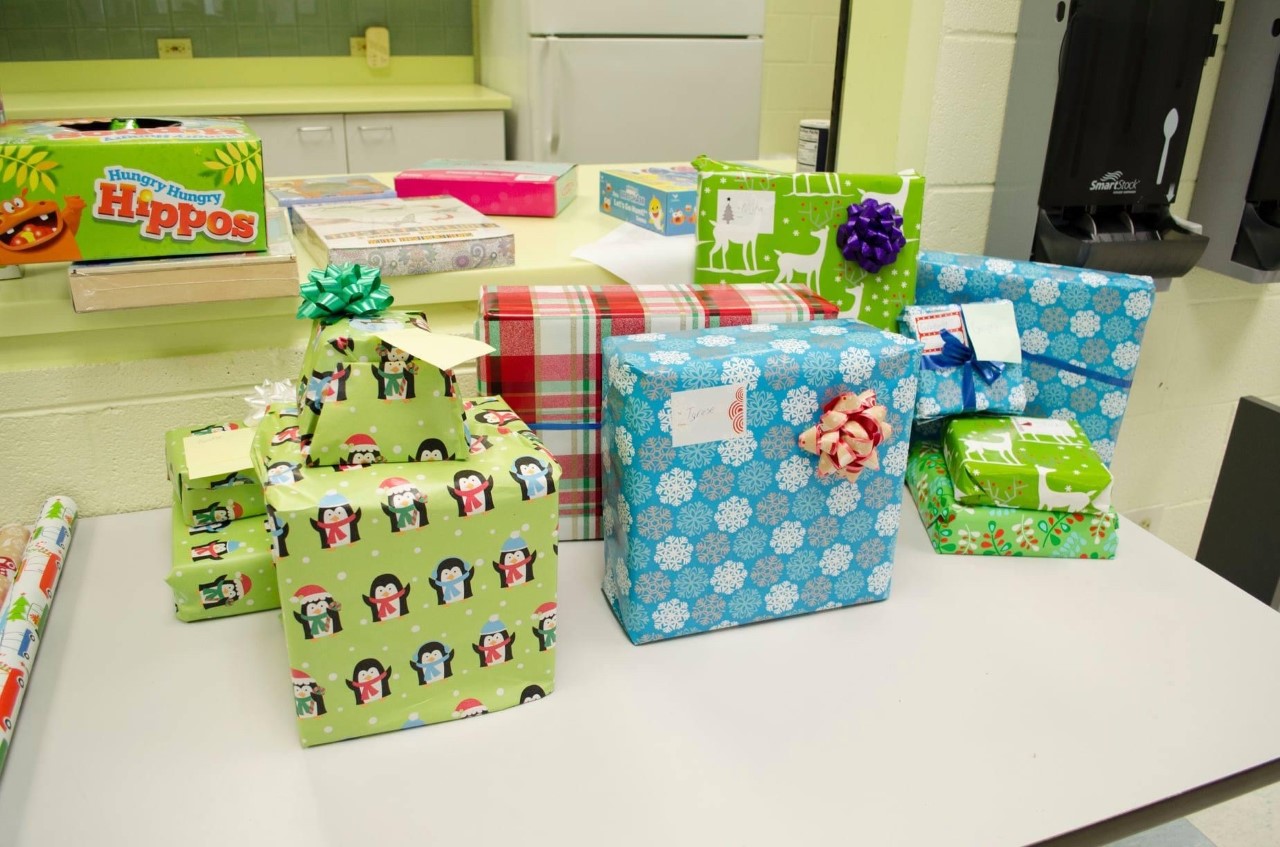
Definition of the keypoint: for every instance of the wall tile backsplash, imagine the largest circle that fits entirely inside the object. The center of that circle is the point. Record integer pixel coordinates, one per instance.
(43, 30)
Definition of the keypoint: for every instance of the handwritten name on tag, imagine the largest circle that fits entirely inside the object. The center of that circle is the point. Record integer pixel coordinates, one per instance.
(708, 414)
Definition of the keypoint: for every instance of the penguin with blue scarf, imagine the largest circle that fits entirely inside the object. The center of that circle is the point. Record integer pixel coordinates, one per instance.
(533, 476)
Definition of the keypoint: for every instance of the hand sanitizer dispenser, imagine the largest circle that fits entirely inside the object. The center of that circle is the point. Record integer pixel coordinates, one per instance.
(1100, 104)
(1237, 195)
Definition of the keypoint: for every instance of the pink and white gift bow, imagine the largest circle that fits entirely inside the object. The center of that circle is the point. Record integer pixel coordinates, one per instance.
(846, 436)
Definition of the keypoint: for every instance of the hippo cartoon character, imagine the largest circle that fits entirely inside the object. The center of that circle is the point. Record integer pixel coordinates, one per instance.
(36, 231)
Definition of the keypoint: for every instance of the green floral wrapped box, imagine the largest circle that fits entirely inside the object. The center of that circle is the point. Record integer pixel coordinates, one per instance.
(221, 569)
(376, 386)
(416, 593)
(996, 530)
(1045, 464)
(223, 497)
(851, 238)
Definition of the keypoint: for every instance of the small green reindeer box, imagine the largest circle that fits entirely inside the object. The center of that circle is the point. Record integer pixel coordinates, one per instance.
(851, 238)
(129, 188)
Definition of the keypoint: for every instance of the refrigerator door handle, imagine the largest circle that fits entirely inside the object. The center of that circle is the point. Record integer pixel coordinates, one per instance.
(553, 94)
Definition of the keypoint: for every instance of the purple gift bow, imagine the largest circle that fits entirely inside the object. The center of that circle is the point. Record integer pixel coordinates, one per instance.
(872, 236)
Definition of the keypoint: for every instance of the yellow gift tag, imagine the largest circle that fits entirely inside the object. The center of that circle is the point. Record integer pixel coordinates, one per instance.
(218, 453)
(439, 349)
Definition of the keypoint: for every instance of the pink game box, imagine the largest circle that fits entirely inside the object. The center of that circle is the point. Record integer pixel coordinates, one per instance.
(524, 189)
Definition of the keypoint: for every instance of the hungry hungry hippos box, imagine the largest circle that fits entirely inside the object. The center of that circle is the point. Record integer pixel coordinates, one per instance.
(129, 188)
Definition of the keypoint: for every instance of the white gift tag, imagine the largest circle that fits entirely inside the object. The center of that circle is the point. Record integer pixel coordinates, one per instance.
(437, 348)
(993, 331)
(708, 414)
(218, 453)
(1043, 426)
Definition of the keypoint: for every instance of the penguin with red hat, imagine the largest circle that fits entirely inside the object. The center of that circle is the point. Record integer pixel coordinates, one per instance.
(336, 521)
(469, 708)
(308, 696)
(545, 631)
(361, 450)
(217, 513)
(406, 506)
(317, 612)
(225, 590)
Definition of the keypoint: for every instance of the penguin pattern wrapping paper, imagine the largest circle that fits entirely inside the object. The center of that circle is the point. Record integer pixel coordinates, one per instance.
(210, 500)
(707, 534)
(416, 593)
(221, 569)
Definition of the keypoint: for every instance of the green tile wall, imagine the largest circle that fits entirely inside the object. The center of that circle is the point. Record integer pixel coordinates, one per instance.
(42, 30)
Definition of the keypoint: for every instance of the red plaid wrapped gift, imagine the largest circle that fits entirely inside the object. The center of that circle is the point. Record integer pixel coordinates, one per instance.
(547, 360)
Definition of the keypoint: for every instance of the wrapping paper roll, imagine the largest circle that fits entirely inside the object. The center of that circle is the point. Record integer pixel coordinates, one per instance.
(13, 540)
(28, 605)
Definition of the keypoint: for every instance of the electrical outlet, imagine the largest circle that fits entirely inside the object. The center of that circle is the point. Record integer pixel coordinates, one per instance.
(174, 48)
(357, 43)
(1148, 518)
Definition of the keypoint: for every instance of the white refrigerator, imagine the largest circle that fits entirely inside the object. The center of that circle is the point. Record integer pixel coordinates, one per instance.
(611, 81)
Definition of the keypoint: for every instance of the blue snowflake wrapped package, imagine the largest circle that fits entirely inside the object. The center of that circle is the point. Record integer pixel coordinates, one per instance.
(714, 514)
(1081, 331)
(953, 380)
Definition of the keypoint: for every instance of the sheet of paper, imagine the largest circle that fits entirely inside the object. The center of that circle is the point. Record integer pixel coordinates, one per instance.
(993, 331)
(641, 257)
(440, 349)
(218, 453)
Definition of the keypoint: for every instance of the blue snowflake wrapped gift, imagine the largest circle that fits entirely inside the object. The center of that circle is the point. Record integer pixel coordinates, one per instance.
(1081, 331)
(752, 472)
(954, 379)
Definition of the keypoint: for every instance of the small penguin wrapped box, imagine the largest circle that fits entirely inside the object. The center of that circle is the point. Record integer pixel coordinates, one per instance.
(416, 593)
(376, 386)
(221, 569)
(212, 474)
(752, 472)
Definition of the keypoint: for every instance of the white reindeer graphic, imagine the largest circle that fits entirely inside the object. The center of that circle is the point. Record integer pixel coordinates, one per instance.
(727, 234)
(1060, 501)
(976, 448)
(805, 264)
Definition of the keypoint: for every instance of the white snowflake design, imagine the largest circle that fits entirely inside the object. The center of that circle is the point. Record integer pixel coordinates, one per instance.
(669, 357)
(738, 451)
(904, 395)
(887, 520)
(843, 498)
(626, 448)
(951, 279)
(1031, 389)
(741, 372)
(795, 346)
(620, 376)
(1035, 340)
(1044, 292)
(1093, 280)
(856, 365)
(981, 402)
(1138, 305)
(836, 559)
(895, 459)
(673, 553)
(676, 487)
(1125, 355)
(648, 337)
(1114, 403)
(827, 329)
(1018, 397)
(670, 616)
(1001, 266)
(878, 582)
(1063, 415)
(728, 577)
(1070, 379)
(781, 598)
(717, 340)
(624, 514)
(1105, 448)
(928, 408)
(800, 406)
(794, 473)
(733, 514)
(1085, 324)
(787, 537)
(759, 328)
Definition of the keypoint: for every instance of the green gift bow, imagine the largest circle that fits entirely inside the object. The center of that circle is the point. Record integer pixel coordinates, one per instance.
(344, 291)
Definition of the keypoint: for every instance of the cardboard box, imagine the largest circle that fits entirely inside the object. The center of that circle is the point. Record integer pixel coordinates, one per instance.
(958, 529)
(664, 200)
(289, 194)
(411, 596)
(547, 364)
(528, 189)
(221, 570)
(135, 283)
(757, 225)
(715, 515)
(405, 237)
(79, 189)
(1081, 331)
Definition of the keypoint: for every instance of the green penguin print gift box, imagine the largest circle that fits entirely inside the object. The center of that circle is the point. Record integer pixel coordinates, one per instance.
(376, 385)
(851, 238)
(139, 188)
(212, 473)
(416, 593)
(221, 569)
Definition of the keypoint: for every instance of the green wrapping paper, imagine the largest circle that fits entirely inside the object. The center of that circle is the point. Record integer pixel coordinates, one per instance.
(363, 400)
(221, 569)
(997, 531)
(416, 593)
(207, 500)
(1042, 464)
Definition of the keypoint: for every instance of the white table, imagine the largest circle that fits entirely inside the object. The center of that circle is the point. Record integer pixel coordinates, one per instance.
(988, 702)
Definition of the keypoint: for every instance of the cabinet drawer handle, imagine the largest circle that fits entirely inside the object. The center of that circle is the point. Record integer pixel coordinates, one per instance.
(383, 128)
(315, 129)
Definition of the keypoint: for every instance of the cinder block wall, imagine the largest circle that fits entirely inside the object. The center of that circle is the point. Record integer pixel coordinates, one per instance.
(1210, 338)
(799, 66)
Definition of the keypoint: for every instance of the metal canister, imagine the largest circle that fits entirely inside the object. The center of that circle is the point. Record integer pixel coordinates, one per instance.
(811, 151)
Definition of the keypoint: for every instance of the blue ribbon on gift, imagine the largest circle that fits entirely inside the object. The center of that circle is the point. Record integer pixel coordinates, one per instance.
(956, 354)
(1118, 382)
(564, 426)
